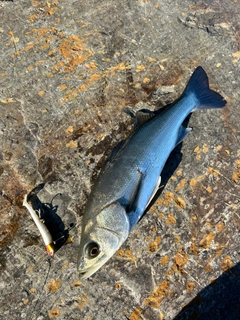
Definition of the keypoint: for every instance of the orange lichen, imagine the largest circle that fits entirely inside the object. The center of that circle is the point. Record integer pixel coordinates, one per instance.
(226, 263)
(92, 79)
(180, 259)
(206, 241)
(54, 285)
(154, 245)
(82, 301)
(209, 189)
(77, 283)
(181, 185)
(136, 314)
(158, 294)
(193, 182)
(236, 176)
(180, 203)
(62, 86)
(190, 286)
(41, 93)
(140, 68)
(218, 148)
(179, 172)
(164, 261)
(220, 226)
(169, 196)
(54, 313)
(207, 268)
(72, 144)
(205, 148)
(177, 239)
(237, 163)
(194, 249)
(69, 130)
(118, 285)
(170, 220)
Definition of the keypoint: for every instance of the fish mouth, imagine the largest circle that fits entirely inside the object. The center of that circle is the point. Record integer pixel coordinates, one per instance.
(85, 273)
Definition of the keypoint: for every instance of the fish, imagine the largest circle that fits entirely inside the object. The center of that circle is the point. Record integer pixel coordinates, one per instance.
(132, 175)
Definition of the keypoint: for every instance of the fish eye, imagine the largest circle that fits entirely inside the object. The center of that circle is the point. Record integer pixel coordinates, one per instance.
(92, 250)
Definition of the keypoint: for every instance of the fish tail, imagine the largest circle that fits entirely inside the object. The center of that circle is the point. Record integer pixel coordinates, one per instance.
(205, 97)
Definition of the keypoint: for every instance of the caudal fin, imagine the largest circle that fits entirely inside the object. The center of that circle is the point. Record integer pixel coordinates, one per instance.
(205, 97)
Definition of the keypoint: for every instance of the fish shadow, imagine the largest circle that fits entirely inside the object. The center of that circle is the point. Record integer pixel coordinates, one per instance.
(48, 214)
(218, 301)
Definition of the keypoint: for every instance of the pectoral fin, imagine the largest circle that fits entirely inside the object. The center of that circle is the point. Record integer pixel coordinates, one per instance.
(182, 133)
(143, 197)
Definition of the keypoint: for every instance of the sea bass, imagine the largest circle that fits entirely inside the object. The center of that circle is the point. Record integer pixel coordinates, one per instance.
(132, 174)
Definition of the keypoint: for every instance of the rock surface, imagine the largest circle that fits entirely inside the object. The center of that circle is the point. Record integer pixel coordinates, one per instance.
(67, 69)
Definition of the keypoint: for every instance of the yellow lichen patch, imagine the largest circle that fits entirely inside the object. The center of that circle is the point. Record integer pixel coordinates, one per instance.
(72, 144)
(90, 81)
(62, 86)
(120, 253)
(179, 172)
(9, 100)
(209, 189)
(54, 313)
(190, 286)
(207, 268)
(236, 176)
(219, 250)
(146, 80)
(32, 290)
(193, 182)
(170, 219)
(25, 301)
(150, 59)
(118, 285)
(199, 178)
(198, 157)
(197, 150)
(54, 285)
(65, 265)
(181, 185)
(218, 148)
(41, 93)
(158, 294)
(227, 152)
(206, 241)
(126, 255)
(82, 301)
(226, 263)
(76, 284)
(136, 314)
(218, 65)
(154, 245)
(69, 130)
(140, 68)
(164, 261)
(180, 259)
(177, 239)
(138, 85)
(169, 196)
(237, 163)
(179, 203)
(220, 226)
(205, 148)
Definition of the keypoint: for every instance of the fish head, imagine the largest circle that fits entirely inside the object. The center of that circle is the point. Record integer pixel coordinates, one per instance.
(101, 237)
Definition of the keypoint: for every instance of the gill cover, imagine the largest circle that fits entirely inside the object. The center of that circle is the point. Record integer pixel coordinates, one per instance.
(101, 238)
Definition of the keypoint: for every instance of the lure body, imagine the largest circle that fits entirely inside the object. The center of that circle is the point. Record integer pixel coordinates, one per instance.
(47, 238)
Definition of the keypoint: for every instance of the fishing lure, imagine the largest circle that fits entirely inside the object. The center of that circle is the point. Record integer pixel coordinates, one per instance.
(46, 235)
